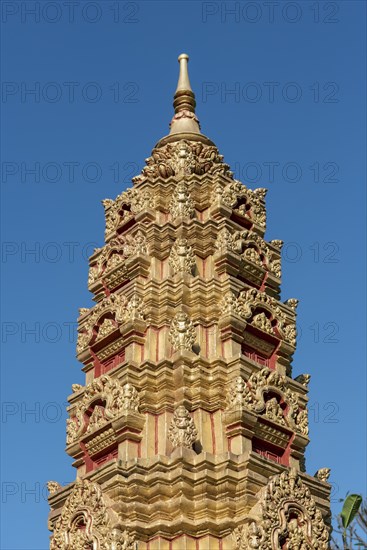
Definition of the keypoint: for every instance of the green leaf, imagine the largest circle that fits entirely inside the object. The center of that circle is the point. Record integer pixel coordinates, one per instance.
(350, 509)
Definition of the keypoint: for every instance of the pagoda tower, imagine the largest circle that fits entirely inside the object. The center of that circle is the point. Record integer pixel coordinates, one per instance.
(190, 431)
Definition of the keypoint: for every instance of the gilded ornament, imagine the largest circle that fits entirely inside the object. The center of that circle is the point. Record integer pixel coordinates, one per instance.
(53, 487)
(183, 158)
(182, 431)
(262, 322)
(182, 333)
(181, 258)
(303, 379)
(181, 204)
(119, 400)
(323, 474)
(236, 394)
(85, 522)
(106, 328)
(252, 395)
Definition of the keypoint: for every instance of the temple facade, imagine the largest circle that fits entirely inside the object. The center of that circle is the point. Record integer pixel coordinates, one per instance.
(190, 430)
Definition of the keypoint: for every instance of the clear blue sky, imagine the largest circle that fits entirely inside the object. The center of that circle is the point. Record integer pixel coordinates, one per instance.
(103, 97)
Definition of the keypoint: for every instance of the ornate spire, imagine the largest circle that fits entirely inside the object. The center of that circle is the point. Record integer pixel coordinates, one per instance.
(184, 99)
(185, 124)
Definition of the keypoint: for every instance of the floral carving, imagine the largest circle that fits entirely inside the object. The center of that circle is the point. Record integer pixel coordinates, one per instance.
(115, 254)
(225, 241)
(290, 510)
(248, 537)
(181, 204)
(244, 201)
(120, 307)
(236, 394)
(182, 431)
(289, 519)
(72, 430)
(183, 158)
(125, 206)
(273, 411)
(270, 316)
(118, 400)
(281, 407)
(129, 399)
(262, 322)
(181, 258)
(106, 328)
(230, 304)
(82, 341)
(53, 487)
(276, 268)
(129, 310)
(182, 333)
(96, 419)
(86, 522)
(277, 243)
(249, 246)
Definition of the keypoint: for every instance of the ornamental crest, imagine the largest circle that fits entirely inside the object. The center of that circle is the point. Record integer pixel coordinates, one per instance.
(266, 393)
(182, 431)
(245, 202)
(87, 523)
(125, 206)
(261, 311)
(289, 519)
(183, 158)
(116, 305)
(250, 246)
(115, 254)
(104, 399)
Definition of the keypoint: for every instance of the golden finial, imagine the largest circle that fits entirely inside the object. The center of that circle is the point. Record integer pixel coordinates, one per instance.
(185, 124)
(184, 99)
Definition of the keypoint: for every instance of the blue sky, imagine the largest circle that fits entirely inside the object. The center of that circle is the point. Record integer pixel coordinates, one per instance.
(280, 89)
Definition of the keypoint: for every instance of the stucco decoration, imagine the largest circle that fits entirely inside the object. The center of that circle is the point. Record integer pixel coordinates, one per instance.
(267, 393)
(289, 519)
(182, 431)
(117, 399)
(86, 523)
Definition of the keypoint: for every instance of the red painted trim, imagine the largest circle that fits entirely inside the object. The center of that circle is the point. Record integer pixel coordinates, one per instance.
(213, 433)
(156, 418)
(157, 345)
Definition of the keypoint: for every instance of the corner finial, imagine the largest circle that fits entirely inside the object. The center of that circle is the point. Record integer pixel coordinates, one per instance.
(184, 99)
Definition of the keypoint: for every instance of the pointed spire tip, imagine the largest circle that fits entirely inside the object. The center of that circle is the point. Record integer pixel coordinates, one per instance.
(183, 78)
